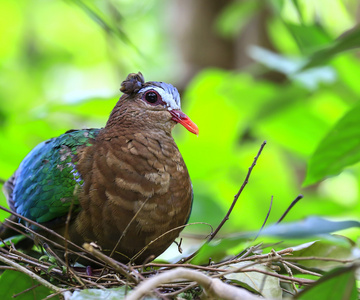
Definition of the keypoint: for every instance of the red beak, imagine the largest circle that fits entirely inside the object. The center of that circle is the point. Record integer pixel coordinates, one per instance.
(179, 117)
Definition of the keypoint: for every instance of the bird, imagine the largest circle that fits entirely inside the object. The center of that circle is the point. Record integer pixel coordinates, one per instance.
(125, 187)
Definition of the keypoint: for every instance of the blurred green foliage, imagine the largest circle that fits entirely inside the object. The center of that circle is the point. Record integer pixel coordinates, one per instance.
(62, 63)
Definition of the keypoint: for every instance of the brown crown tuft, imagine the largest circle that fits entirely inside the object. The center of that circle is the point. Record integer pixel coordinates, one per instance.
(133, 83)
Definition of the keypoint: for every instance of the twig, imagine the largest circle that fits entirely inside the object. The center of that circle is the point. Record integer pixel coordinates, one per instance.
(299, 280)
(40, 226)
(111, 262)
(190, 266)
(320, 258)
(31, 274)
(184, 289)
(288, 270)
(246, 253)
(299, 197)
(301, 269)
(7, 268)
(212, 287)
(69, 269)
(37, 234)
(66, 295)
(236, 197)
(27, 290)
(160, 236)
(266, 218)
(256, 257)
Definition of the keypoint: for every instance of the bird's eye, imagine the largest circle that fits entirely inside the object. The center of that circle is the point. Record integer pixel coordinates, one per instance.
(151, 96)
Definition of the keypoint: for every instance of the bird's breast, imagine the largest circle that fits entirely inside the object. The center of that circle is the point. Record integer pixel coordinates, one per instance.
(136, 187)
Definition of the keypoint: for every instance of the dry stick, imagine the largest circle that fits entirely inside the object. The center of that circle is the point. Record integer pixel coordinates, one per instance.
(190, 266)
(66, 295)
(320, 258)
(248, 251)
(304, 271)
(44, 267)
(244, 270)
(266, 218)
(236, 197)
(31, 274)
(184, 289)
(213, 287)
(299, 197)
(29, 259)
(27, 290)
(7, 268)
(257, 257)
(120, 268)
(167, 232)
(50, 241)
(69, 269)
(37, 225)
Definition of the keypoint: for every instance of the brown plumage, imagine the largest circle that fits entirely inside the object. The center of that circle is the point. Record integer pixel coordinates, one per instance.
(135, 189)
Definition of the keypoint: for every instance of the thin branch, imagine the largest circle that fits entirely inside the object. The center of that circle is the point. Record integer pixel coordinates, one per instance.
(190, 266)
(266, 218)
(298, 280)
(319, 258)
(27, 290)
(256, 257)
(45, 238)
(301, 269)
(236, 197)
(165, 233)
(69, 269)
(31, 274)
(120, 268)
(297, 199)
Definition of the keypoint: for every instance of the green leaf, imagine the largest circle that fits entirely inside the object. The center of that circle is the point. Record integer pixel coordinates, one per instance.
(268, 286)
(235, 17)
(309, 38)
(324, 249)
(100, 294)
(292, 67)
(337, 284)
(13, 283)
(308, 228)
(339, 149)
(347, 41)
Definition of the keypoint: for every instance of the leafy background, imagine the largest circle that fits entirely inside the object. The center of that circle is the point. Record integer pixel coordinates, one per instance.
(292, 80)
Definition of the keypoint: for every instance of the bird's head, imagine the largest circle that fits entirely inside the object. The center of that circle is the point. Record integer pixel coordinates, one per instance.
(151, 104)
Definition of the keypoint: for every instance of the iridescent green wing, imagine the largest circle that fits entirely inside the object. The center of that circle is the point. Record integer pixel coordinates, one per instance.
(46, 181)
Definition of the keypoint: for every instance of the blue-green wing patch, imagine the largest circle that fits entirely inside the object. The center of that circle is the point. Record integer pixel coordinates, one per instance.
(47, 179)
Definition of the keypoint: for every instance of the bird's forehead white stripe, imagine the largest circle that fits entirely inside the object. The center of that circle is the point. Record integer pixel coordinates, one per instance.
(168, 98)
